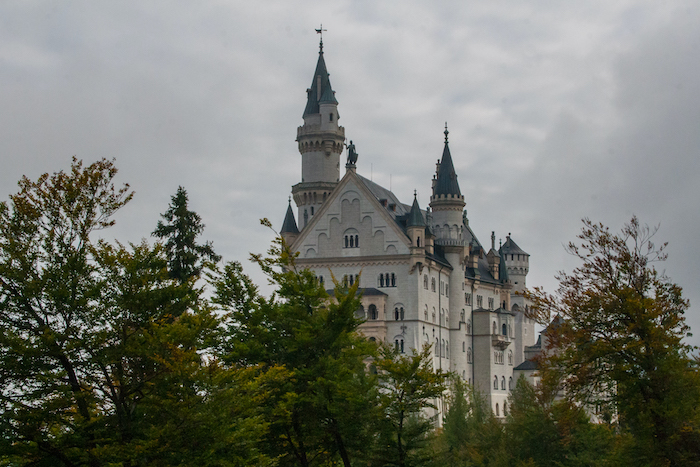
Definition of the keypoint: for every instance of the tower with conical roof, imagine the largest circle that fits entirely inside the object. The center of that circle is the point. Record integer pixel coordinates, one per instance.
(447, 202)
(321, 141)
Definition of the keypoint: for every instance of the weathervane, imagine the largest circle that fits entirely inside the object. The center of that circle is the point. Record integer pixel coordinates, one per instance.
(320, 31)
(446, 132)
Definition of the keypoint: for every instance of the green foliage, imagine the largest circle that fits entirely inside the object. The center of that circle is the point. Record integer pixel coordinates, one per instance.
(321, 412)
(186, 258)
(408, 386)
(99, 348)
(618, 342)
(471, 433)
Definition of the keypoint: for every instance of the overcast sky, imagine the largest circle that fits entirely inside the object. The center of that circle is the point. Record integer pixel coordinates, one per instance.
(556, 110)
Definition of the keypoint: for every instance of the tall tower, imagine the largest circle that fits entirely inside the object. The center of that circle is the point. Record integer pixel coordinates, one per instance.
(321, 141)
(447, 204)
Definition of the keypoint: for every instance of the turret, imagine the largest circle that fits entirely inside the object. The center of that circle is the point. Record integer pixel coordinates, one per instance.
(517, 263)
(493, 258)
(289, 230)
(415, 227)
(321, 141)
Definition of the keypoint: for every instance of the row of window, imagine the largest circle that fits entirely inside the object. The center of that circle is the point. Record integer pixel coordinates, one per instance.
(349, 280)
(444, 286)
(480, 301)
(387, 280)
(503, 383)
(444, 313)
(352, 241)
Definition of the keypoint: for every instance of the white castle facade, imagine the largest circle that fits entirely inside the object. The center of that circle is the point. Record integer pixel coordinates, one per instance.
(425, 277)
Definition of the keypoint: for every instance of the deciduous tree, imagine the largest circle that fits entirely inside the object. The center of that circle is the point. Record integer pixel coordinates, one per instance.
(620, 341)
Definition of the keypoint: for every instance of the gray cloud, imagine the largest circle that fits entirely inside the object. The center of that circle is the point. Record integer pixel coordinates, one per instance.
(556, 110)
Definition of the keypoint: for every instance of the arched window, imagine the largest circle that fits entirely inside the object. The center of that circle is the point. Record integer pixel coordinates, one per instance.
(495, 328)
(357, 241)
(469, 355)
(504, 329)
(381, 280)
(461, 317)
(510, 383)
(432, 284)
(433, 314)
(495, 382)
(503, 383)
(469, 326)
(393, 280)
(497, 414)
(373, 339)
(425, 282)
(372, 312)
(360, 313)
(464, 346)
(505, 408)
(418, 242)
(401, 316)
(401, 342)
(347, 239)
(510, 357)
(352, 241)
(426, 312)
(447, 349)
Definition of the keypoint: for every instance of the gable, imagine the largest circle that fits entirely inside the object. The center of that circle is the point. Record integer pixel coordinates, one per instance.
(351, 223)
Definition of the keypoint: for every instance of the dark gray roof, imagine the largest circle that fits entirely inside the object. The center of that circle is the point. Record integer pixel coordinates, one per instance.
(502, 270)
(325, 94)
(415, 217)
(510, 248)
(381, 193)
(446, 177)
(527, 365)
(289, 225)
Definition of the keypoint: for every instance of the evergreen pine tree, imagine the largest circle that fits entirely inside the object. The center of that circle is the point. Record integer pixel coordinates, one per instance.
(182, 227)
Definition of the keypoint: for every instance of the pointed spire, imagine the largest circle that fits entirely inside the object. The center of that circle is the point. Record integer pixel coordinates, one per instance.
(446, 183)
(289, 225)
(320, 90)
(415, 217)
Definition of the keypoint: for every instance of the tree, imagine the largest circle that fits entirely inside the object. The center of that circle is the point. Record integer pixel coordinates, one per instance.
(408, 386)
(321, 412)
(471, 433)
(619, 341)
(180, 232)
(99, 348)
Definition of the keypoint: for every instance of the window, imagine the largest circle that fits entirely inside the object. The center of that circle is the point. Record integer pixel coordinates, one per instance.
(425, 282)
(351, 239)
(495, 382)
(469, 326)
(398, 314)
(479, 301)
(433, 314)
(495, 328)
(510, 383)
(426, 312)
(469, 355)
(312, 210)
(505, 409)
(360, 313)
(503, 383)
(467, 299)
(510, 357)
(461, 317)
(398, 343)
(372, 312)
(387, 280)
(393, 280)
(504, 329)
(490, 303)
(432, 284)
(464, 346)
(447, 349)
(497, 414)
(331, 117)
(418, 242)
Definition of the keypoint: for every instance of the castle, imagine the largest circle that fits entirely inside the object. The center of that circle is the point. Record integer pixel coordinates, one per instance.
(426, 278)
